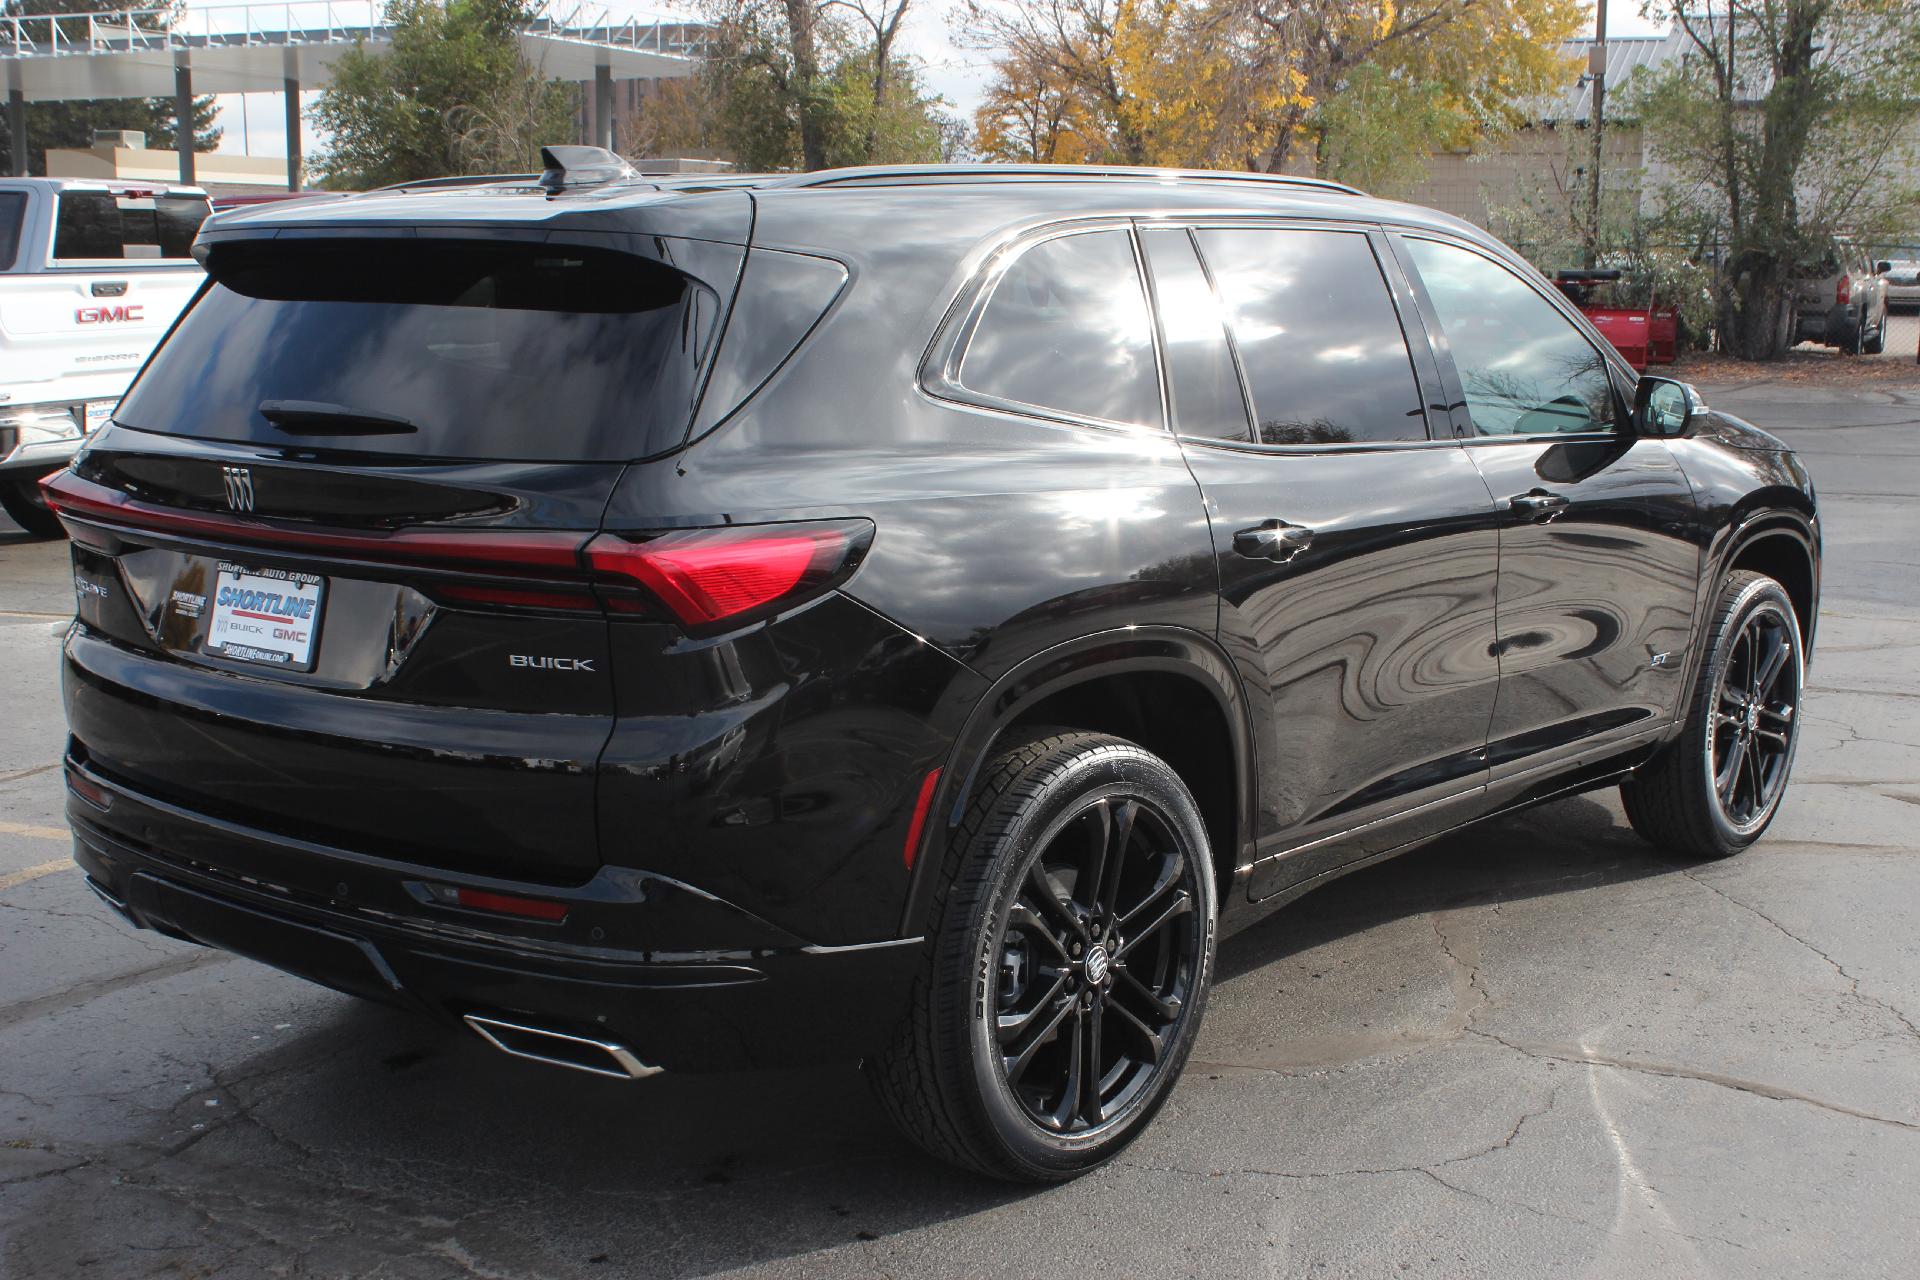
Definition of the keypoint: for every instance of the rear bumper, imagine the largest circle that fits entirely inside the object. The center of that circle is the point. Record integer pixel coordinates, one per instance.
(1835, 326)
(684, 981)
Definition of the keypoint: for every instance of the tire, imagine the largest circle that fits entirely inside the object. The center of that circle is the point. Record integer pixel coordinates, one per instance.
(20, 498)
(1877, 344)
(980, 1070)
(1713, 790)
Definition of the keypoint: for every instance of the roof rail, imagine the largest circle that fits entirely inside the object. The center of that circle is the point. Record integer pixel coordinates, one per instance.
(459, 180)
(880, 174)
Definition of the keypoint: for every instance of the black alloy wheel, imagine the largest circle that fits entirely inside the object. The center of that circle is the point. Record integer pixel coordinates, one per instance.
(1713, 791)
(1097, 965)
(1753, 720)
(1070, 951)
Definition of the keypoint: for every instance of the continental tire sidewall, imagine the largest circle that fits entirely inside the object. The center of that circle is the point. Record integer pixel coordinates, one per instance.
(1111, 770)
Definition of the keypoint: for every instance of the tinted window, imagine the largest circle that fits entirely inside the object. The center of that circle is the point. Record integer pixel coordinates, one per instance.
(514, 352)
(98, 224)
(1207, 398)
(1524, 368)
(1067, 329)
(176, 221)
(13, 209)
(1318, 335)
(87, 226)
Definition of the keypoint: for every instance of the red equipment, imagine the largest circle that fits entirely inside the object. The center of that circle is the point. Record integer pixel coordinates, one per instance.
(1644, 335)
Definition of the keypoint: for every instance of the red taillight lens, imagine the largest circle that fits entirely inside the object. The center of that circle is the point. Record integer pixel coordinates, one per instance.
(709, 576)
(1843, 292)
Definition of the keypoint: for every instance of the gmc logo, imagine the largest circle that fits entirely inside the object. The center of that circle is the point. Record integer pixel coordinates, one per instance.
(108, 315)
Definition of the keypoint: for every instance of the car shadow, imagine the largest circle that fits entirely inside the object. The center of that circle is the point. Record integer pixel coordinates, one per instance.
(549, 1172)
(1563, 847)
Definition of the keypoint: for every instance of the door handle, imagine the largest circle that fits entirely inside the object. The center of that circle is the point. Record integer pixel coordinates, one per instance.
(1538, 505)
(1273, 540)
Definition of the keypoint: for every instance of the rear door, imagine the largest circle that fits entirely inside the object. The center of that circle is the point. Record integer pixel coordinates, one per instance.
(1599, 563)
(329, 554)
(1356, 553)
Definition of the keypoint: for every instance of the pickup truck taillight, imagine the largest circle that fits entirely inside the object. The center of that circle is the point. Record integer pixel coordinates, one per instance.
(1843, 292)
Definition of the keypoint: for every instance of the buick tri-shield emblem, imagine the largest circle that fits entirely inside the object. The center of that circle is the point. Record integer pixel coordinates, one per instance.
(239, 482)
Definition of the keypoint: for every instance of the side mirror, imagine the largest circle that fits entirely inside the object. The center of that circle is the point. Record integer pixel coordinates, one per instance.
(1663, 407)
(1882, 267)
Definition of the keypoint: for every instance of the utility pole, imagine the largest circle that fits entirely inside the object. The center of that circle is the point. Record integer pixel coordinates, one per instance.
(1597, 73)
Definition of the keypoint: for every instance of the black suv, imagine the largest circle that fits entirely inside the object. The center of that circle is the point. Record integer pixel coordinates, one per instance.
(689, 624)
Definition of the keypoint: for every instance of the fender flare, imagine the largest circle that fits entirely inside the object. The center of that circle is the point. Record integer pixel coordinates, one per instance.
(1757, 524)
(1122, 651)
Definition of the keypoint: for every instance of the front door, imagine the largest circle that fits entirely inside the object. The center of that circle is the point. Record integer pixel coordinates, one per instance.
(1599, 562)
(1357, 554)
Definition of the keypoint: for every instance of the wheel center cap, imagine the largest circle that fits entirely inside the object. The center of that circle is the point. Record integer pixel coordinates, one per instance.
(1096, 962)
(1753, 717)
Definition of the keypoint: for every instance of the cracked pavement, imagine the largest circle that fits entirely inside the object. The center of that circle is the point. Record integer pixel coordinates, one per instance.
(1531, 1049)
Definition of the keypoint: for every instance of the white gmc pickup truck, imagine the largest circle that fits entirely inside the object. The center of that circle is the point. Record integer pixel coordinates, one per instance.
(92, 274)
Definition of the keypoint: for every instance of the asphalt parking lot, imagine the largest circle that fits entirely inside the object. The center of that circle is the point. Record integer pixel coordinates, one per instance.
(1534, 1049)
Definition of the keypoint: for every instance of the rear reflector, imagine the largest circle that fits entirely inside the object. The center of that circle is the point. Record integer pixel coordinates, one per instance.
(89, 790)
(918, 826)
(504, 904)
(736, 574)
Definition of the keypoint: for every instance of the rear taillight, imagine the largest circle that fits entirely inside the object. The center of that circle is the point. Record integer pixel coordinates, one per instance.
(705, 579)
(709, 577)
(1843, 292)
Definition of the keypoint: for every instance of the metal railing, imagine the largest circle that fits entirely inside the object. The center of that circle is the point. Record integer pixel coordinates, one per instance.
(301, 22)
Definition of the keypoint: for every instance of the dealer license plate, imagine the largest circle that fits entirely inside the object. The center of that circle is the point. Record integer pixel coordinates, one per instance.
(268, 616)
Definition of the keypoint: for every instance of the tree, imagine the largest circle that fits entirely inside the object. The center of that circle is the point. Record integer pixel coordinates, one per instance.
(1359, 89)
(775, 93)
(1031, 115)
(1786, 122)
(453, 95)
(71, 124)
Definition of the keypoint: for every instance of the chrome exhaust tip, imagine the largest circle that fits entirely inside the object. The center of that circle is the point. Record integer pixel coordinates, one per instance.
(114, 904)
(559, 1049)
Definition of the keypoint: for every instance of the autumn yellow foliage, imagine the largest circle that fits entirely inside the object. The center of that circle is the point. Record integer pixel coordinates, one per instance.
(1347, 87)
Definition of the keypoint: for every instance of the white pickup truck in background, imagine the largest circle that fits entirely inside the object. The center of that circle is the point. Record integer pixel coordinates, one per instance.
(92, 274)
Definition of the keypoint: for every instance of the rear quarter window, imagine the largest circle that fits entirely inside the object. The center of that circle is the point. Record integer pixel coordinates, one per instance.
(13, 214)
(1066, 330)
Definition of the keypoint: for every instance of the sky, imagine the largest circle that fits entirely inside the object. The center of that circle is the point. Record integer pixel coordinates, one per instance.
(255, 124)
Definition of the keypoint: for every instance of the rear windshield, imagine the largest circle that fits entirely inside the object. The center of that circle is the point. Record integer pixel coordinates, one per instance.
(101, 224)
(452, 350)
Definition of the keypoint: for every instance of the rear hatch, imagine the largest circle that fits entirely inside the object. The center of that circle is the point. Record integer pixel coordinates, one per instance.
(330, 554)
(120, 272)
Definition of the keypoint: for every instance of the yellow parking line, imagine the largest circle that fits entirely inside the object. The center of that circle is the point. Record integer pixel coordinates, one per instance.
(11, 879)
(28, 829)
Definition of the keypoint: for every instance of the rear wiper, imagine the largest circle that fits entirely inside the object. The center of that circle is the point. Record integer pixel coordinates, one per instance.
(321, 418)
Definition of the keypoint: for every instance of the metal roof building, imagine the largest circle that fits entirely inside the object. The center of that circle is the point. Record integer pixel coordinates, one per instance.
(287, 47)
